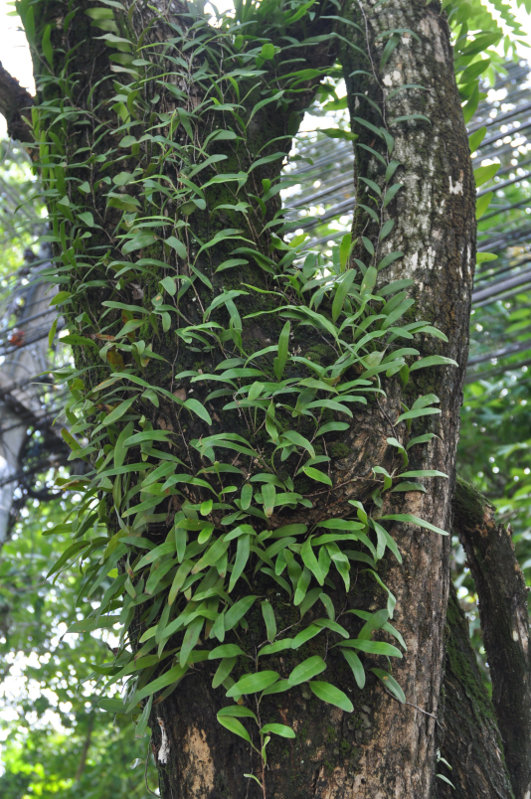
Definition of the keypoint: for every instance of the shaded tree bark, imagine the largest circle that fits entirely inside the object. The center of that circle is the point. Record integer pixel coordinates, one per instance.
(469, 739)
(503, 613)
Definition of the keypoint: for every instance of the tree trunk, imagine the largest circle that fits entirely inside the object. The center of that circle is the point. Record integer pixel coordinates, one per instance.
(472, 754)
(135, 142)
(387, 749)
(502, 593)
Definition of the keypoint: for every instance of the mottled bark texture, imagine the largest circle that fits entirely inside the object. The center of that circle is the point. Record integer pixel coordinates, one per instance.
(469, 741)
(502, 595)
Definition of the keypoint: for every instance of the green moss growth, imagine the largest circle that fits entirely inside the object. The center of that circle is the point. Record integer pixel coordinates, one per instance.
(338, 449)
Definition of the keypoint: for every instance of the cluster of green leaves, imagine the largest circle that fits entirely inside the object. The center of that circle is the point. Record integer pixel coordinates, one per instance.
(496, 22)
(476, 35)
(226, 532)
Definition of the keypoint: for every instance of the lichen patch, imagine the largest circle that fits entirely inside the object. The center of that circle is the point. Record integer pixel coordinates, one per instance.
(201, 772)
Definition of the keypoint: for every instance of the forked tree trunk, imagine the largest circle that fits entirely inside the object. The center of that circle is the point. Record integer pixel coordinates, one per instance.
(384, 749)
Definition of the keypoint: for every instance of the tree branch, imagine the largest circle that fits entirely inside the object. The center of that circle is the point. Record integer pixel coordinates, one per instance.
(14, 99)
(85, 748)
(503, 613)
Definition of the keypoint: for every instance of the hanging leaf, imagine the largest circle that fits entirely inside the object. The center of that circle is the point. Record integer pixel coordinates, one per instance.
(243, 549)
(391, 684)
(282, 356)
(223, 671)
(199, 409)
(356, 665)
(329, 693)
(234, 726)
(269, 619)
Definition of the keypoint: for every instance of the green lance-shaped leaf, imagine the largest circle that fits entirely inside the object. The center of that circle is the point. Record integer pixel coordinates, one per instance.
(481, 42)
(141, 725)
(234, 726)
(356, 665)
(329, 693)
(330, 624)
(293, 437)
(169, 284)
(391, 193)
(373, 621)
(475, 139)
(305, 635)
(243, 550)
(191, 637)
(384, 539)
(482, 204)
(317, 475)
(311, 562)
(223, 671)
(253, 683)
(237, 711)
(369, 246)
(278, 729)
(246, 496)
(268, 614)
(277, 646)
(283, 342)
(225, 651)
(415, 413)
(178, 246)
(432, 360)
(485, 173)
(268, 498)
(390, 683)
(345, 248)
(301, 587)
(178, 581)
(373, 647)
(212, 555)
(173, 676)
(423, 473)
(238, 611)
(343, 287)
(162, 550)
(369, 280)
(306, 670)
(411, 519)
(199, 409)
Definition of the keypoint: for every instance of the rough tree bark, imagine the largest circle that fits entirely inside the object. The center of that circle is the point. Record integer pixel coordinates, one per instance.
(503, 612)
(384, 750)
